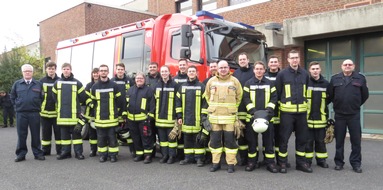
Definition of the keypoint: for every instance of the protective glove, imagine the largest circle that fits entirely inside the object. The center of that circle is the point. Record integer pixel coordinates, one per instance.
(206, 123)
(329, 131)
(78, 128)
(270, 112)
(174, 132)
(202, 138)
(238, 128)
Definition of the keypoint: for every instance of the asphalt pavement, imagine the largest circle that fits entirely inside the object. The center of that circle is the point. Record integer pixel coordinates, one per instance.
(127, 174)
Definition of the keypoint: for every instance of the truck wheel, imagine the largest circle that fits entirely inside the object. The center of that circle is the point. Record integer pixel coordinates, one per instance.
(85, 132)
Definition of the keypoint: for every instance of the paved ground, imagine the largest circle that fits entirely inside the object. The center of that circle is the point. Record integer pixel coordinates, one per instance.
(126, 174)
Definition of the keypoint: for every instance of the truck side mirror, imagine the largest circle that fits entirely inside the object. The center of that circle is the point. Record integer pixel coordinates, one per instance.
(185, 53)
(186, 35)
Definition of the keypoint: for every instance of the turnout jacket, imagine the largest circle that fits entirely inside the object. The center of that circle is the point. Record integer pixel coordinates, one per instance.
(164, 97)
(140, 104)
(68, 94)
(180, 78)
(190, 105)
(123, 86)
(317, 111)
(223, 95)
(107, 103)
(27, 98)
(347, 97)
(48, 107)
(259, 95)
(151, 81)
(291, 89)
(272, 77)
(243, 75)
(88, 113)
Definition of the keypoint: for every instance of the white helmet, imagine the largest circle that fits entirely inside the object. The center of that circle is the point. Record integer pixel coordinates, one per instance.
(261, 122)
(260, 125)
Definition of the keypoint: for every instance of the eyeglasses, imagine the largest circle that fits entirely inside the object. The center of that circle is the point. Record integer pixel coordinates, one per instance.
(27, 71)
(347, 64)
(294, 58)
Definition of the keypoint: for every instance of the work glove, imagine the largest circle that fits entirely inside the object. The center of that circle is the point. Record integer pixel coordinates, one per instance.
(202, 138)
(238, 128)
(175, 131)
(78, 128)
(329, 131)
(206, 123)
(270, 112)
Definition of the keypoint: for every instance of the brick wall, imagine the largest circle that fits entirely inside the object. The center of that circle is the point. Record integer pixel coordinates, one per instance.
(80, 20)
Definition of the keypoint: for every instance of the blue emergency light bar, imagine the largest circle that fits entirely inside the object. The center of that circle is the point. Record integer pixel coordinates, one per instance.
(209, 14)
(246, 25)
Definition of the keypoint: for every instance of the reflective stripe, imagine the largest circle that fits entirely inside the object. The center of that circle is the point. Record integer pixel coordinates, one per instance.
(300, 153)
(199, 151)
(58, 142)
(77, 141)
(148, 151)
(188, 151)
(243, 147)
(180, 146)
(309, 154)
(45, 143)
(270, 155)
(231, 151)
(139, 152)
(321, 155)
(164, 144)
(287, 91)
(91, 141)
(216, 150)
(102, 149)
(143, 103)
(66, 142)
(284, 155)
(252, 155)
(173, 144)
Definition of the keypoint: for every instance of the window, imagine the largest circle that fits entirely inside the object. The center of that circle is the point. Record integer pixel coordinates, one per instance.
(195, 48)
(184, 7)
(207, 5)
(133, 52)
(235, 2)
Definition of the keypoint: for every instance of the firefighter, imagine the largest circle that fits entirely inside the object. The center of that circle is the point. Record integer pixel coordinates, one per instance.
(212, 71)
(108, 106)
(243, 74)
(223, 95)
(165, 114)
(291, 84)
(260, 94)
(48, 111)
(153, 76)
(89, 115)
(317, 113)
(139, 108)
(189, 116)
(348, 91)
(271, 74)
(68, 93)
(124, 83)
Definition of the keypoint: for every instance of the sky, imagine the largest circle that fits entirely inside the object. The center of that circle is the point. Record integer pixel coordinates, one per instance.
(20, 18)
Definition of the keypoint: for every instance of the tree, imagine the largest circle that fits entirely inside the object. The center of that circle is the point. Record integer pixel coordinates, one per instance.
(10, 66)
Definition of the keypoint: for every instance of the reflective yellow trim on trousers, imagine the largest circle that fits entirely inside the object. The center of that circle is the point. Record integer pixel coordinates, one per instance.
(164, 144)
(66, 142)
(252, 155)
(188, 151)
(58, 142)
(45, 143)
(270, 155)
(129, 141)
(180, 146)
(243, 147)
(309, 154)
(283, 155)
(216, 150)
(199, 151)
(276, 149)
(113, 149)
(148, 151)
(139, 152)
(321, 155)
(300, 153)
(91, 141)
(231, 151)
(77, 141)
(173, 144)
(102, 149)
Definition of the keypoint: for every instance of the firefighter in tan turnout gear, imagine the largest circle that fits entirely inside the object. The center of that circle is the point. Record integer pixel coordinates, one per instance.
(223, 94)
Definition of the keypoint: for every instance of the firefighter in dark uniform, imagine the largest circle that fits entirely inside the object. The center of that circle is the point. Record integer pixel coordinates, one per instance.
(271, 74)
(139, 108)
(108, 106)
(26, 96)
(243, 74)
(69, 94)
(48, 111)
(317, 113)
(348, 91)
(165, 114)
(88, 114)
(124, 83)
(259, 93)
(180, 79)
(153, 76)
(190, 105)
(291, 84)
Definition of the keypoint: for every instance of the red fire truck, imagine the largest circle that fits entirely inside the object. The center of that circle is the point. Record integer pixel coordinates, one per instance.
(203, 38)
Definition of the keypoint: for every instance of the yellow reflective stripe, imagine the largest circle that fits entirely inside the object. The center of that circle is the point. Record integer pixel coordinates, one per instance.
(66, 142)
(284, 155)
(77, 141)
(102, 149)
(271, 105)
(148, 151)
(188, 151)
(249, 106)
(243, 147)
(164, 123)
(137, 117)
(267, 95)
(164, 144)
(66, 121)
(45, 88)
(111, 106)
(288, 107)
(180, 146)
(129, 141)
(231, 151)
(304, 91)
(252, 155)
(300, 153)
(216, 150)
(242, 115)
(321, 155)
(199, 151)
(91, 141)
(276, 149)
(221, 104)
(58, 142)
(113, 149)
(309, 154)
(143, 103)
(198, 107)
(74, 102)
(139, 152)
(170, 105)
(45, 143)
(205, 131)
(191, 128)
(173, 144)
(270, 155)
(287, 91)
